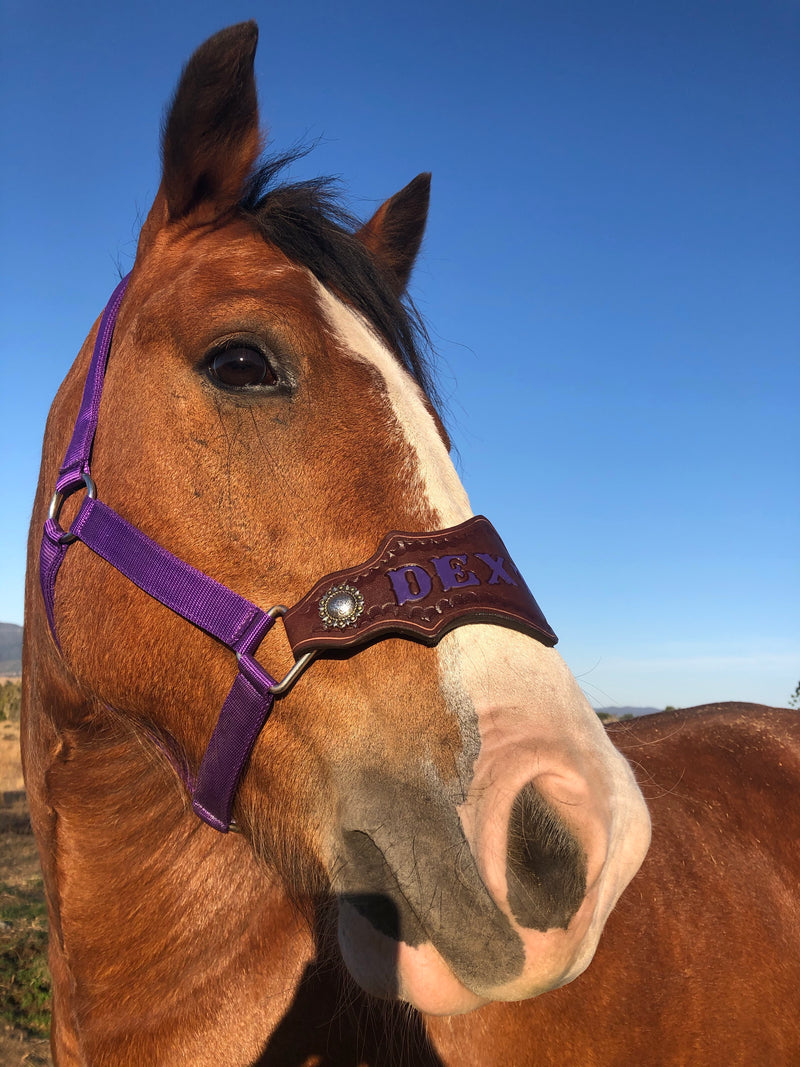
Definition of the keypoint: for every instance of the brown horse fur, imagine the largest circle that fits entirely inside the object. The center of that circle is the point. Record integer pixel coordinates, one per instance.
(452, 822)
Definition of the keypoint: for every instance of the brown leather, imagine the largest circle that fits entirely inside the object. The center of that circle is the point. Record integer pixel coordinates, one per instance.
(420, 586)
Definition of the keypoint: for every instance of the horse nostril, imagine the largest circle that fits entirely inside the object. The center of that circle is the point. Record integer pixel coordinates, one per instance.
(546, 865)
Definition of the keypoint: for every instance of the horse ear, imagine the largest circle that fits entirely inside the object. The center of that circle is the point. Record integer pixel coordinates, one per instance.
(210, 139)
(394, 233)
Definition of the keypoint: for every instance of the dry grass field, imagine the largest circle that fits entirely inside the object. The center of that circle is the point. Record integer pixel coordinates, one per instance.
(24, 984)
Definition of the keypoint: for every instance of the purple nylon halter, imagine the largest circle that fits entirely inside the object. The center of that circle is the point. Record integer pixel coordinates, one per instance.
(234, 621)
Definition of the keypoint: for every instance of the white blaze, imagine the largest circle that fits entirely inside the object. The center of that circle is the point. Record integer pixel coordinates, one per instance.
(435, 472)
(493, 653)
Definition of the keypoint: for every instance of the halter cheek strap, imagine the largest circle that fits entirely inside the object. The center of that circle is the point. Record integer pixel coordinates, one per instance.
(416, 585)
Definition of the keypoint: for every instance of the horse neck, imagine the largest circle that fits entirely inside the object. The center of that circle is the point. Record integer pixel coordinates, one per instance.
(116, 802)
(128, 865)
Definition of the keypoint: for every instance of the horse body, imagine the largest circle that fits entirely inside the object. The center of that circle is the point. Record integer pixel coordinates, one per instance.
(451, 821)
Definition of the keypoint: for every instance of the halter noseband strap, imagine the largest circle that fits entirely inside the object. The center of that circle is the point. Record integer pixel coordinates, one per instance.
(415, 585)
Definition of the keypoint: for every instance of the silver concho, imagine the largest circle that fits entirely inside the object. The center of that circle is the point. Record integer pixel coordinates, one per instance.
(341, 607)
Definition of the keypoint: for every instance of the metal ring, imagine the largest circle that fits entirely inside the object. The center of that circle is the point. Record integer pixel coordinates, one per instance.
(286, 683)
(60, 495)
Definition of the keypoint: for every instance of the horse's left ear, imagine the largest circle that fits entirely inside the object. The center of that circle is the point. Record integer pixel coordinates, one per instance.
(394, 233)
(211, 137)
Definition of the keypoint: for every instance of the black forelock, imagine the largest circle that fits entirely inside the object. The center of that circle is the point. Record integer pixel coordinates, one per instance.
(307, 221)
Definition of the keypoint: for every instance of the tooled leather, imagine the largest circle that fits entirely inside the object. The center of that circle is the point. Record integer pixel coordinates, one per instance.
(488, 589)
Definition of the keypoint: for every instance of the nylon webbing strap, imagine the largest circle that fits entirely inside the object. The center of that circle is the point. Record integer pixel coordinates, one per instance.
(79, 452)
(187, 591)
(219, 611)
(201, 600)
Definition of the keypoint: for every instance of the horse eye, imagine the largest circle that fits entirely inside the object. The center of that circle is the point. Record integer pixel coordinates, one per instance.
(239, 367)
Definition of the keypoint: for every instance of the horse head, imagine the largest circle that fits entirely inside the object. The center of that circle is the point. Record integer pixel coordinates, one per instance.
(267, 418)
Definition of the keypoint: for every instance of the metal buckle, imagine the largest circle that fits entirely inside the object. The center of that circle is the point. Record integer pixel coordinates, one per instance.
(61, 495)
(286, 683)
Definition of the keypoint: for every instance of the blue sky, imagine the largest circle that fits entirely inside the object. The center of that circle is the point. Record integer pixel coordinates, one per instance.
(610, 276)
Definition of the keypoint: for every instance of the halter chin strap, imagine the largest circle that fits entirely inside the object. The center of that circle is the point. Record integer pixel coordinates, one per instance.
(415, 585)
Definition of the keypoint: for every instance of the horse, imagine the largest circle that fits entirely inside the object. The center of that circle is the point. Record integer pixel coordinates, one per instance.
(382, 825)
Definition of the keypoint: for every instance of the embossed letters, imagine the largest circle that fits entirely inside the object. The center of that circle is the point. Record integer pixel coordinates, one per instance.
(414, 582)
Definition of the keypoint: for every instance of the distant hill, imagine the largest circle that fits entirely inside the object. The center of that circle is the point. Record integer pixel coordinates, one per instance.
(10, 648)
(619, 712)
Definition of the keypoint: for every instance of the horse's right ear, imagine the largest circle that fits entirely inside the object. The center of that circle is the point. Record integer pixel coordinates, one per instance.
(211, 138)
(394, 233)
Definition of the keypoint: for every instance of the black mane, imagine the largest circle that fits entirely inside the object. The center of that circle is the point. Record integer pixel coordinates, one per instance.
(308, 223)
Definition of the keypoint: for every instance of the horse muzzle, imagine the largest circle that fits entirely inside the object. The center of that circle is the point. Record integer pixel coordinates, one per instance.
(449, 919)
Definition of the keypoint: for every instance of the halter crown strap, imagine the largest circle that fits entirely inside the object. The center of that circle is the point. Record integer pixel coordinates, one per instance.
(76, 461)
(415, 585)
(74, 471)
